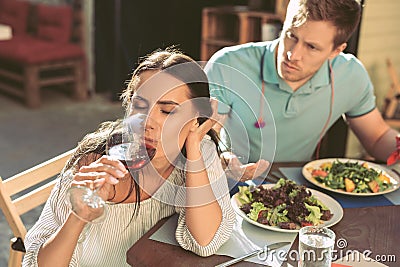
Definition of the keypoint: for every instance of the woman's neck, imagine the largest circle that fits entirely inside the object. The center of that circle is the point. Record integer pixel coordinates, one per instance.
(162, 167)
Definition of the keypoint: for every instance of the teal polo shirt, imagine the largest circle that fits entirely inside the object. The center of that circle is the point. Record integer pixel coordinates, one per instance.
(294, 119)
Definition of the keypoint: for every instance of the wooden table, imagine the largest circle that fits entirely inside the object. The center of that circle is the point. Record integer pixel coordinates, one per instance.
(371, 228)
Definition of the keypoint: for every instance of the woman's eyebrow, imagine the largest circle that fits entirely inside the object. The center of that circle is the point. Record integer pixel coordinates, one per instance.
(167, 102)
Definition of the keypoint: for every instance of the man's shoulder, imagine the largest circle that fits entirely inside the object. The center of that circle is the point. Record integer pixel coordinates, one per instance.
(348, 63)
(346, 59)
(236, 52)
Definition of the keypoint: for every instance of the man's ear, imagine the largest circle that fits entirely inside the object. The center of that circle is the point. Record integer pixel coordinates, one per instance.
(337, 50)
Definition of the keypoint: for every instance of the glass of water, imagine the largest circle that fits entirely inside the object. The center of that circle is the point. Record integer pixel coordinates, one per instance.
(316, 246)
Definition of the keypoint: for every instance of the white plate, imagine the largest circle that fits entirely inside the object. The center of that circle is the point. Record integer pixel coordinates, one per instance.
(332, 204)
(317, 163)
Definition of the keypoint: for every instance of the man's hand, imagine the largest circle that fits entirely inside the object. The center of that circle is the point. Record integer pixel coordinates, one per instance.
(242, 172)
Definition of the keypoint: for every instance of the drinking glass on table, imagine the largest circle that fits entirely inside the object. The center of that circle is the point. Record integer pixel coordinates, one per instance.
(316, 246)
(133, 142)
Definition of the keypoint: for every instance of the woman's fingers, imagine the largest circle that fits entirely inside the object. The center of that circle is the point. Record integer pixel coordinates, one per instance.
(92, 184)
(252, 170)
(206, 126)
(106, 164)
(95, 176)
(105, 170)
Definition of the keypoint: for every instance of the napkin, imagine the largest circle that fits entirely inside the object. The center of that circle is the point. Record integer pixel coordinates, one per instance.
(244, 239)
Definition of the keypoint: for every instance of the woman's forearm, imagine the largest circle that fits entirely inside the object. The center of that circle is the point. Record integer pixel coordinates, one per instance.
(203, 214)
(58, 250)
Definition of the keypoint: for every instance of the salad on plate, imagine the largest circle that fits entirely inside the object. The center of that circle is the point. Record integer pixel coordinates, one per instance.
(286, 205)
(351, 177)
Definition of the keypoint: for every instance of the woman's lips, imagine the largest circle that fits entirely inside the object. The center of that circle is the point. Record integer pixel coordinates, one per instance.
(150, 141)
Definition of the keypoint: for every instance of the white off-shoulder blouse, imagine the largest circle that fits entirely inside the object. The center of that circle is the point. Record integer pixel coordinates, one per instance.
(106, 243)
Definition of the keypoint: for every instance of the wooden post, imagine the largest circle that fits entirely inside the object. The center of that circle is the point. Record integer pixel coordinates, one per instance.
(31, 86)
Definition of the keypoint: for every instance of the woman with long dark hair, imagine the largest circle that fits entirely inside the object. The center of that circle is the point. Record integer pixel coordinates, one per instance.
(185, 176)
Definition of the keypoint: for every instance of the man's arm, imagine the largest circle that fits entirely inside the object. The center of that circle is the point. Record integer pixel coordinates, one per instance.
(238, 170)
(374, 134)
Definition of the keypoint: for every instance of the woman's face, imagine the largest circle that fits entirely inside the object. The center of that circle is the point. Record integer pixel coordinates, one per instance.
(167, 101)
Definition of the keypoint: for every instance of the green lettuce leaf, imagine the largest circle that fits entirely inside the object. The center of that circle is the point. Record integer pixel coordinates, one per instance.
(318, 202)
(256, 208)
(315, 214)
(244, 195)
(279, 215)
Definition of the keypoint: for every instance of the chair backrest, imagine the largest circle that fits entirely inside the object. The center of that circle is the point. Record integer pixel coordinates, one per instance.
(16, 14)
(26, 183)
(64, 22)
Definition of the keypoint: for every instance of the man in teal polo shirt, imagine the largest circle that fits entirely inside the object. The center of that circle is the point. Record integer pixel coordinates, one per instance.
(288, 92)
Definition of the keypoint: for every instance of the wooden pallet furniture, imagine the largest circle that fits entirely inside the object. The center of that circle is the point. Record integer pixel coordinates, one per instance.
(46, 50)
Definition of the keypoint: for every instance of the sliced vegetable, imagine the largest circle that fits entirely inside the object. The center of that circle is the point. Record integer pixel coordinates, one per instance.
(374, 186)
(319, 173)
(350, 185)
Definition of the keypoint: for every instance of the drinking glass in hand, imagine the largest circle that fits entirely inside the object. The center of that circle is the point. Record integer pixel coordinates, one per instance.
(133, 142)
(86, 204)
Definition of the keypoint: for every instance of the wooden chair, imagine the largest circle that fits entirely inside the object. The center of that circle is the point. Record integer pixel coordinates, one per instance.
(29, 183)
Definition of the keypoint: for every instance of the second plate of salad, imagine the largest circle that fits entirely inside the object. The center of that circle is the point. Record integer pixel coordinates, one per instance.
(351, 176)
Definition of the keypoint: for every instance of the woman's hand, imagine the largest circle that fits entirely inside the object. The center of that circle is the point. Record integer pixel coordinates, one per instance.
(197, 132)
(101, 174)
(242, 172)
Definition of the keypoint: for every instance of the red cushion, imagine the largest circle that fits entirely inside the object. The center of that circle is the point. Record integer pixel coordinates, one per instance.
(15, 14)
(54, 23)
(30, 50)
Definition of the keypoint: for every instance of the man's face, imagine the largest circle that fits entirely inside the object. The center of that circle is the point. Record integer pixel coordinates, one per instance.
(302, 50)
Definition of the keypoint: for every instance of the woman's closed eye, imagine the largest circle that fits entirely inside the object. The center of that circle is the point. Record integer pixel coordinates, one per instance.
(168, 107)
(168, 111)
(139, 103)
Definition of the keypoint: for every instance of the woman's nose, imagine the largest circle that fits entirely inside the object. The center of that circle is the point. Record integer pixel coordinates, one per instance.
(152, 122)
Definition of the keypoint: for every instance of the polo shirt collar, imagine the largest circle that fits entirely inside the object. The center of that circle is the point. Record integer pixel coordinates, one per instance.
(270, 74)
(317, 81)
